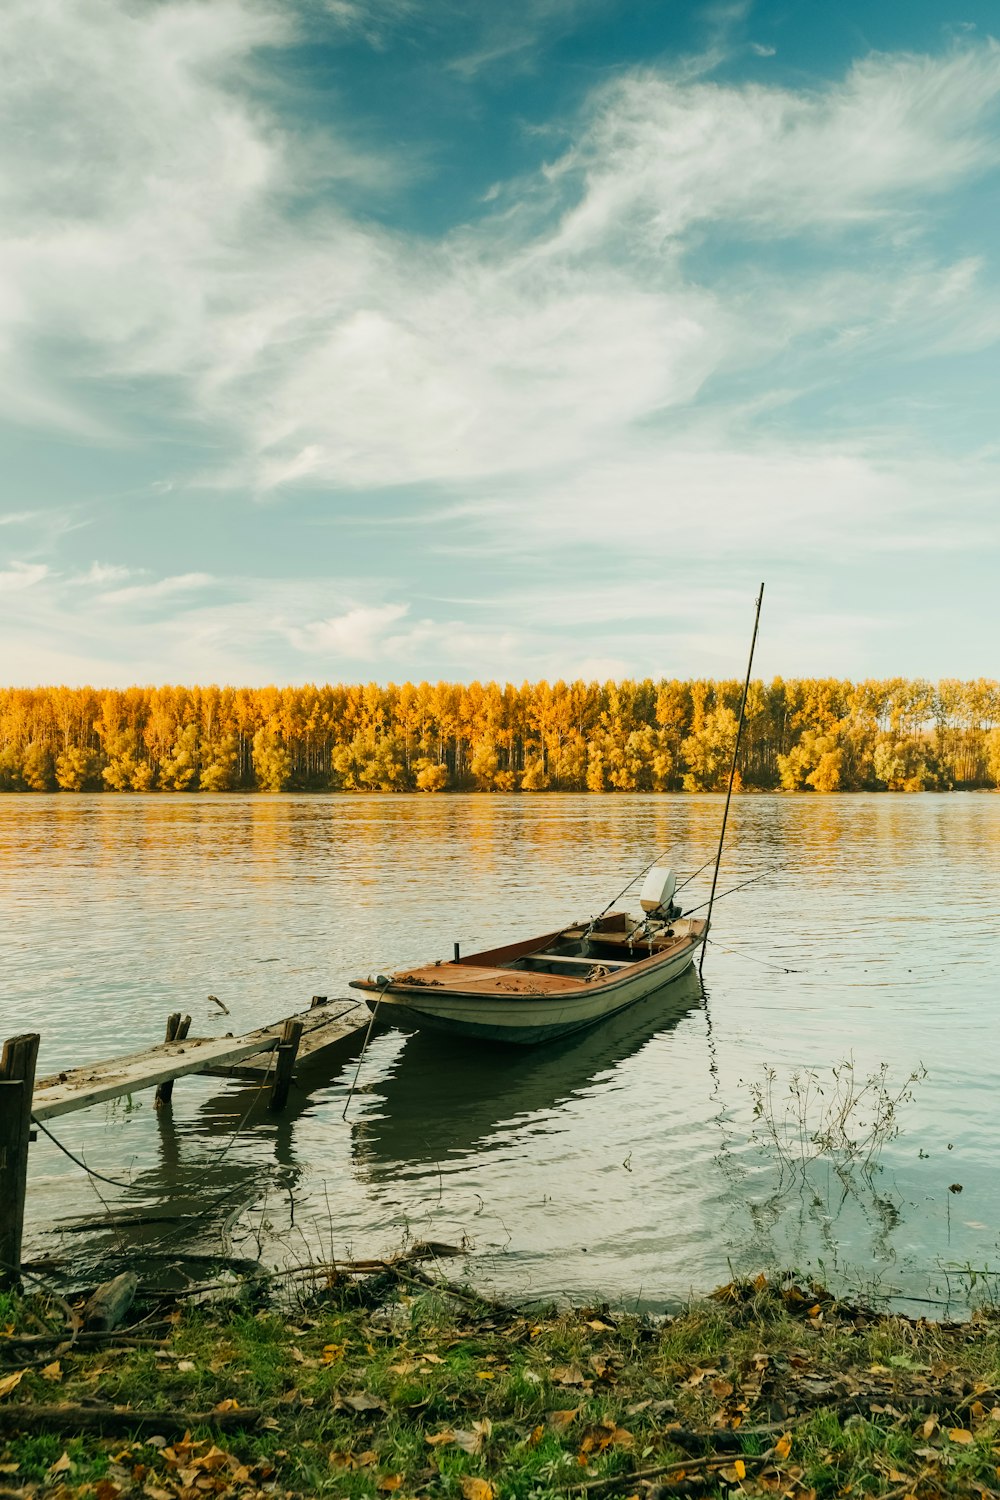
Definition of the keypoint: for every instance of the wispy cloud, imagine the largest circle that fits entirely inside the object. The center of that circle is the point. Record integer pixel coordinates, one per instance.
(673, 338)
(102, 573)
(335, 352)
(162, 588)
(357, 634)
(20, 576)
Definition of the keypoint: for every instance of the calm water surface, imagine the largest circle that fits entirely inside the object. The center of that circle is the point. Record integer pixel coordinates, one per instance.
(622, 1163)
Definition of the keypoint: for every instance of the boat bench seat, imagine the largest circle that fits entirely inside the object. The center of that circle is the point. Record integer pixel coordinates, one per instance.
(559, 958)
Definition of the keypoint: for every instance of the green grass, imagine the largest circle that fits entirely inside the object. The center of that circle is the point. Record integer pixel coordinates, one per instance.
(534, 1405)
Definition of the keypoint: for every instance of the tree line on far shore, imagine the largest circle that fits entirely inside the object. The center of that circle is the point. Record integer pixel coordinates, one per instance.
(802, 734)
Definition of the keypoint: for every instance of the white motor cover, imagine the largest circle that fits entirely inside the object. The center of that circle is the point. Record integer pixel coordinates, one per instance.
(657, 888)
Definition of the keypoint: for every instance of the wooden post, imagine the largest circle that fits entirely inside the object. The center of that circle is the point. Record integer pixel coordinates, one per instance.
(177, 1029)
(17, 1082)
(286, 1052)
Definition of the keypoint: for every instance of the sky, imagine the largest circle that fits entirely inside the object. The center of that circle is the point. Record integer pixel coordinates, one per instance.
(375, 340)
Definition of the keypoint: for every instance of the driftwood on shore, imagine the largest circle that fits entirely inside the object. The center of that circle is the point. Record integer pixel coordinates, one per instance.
(107, 1307)
(24, 1416)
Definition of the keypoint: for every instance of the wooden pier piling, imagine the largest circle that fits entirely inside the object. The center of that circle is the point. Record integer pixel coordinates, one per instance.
(178, 1027)
(310, 1040)
(17, 1082)
(285, 1054)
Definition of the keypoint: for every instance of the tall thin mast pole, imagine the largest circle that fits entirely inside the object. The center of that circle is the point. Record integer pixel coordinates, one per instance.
(732, 778)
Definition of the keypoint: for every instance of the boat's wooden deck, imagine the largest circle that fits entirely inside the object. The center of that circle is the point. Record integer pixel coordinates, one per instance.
(475, 976)
(510, 969)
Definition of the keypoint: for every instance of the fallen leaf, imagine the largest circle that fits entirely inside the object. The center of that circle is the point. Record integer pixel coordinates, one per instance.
(390, 1482)
(187, 1365)
(332, 1352)
(54, 1371)
(363, 1402)
(477, 1489)
(721, 1389)
(598, 1326)
(472, 1441)
(62, 1465)
(9, 1382)
(537, 1433)
(960, 1435)
(439, 1439)
(212, 1460)
(783, 1446)
(605, 1435)
(433, 1359)
(560, 1420)
(229, 1404)
(568, 1375)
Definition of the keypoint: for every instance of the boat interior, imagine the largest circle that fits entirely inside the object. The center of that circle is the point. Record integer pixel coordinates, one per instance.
(583, 953)
(615, 942)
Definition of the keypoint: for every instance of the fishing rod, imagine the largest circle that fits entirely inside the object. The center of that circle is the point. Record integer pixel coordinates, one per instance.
(733, 888)
(688, 879)
(641, 873)
(732, 778)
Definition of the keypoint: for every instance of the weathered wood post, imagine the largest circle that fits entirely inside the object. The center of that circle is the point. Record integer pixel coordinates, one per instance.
(177, 1029)
(286, 1052)
(17, 1082)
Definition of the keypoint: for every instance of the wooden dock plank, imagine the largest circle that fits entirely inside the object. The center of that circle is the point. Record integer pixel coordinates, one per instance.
(78, 1088)
(324, 1033)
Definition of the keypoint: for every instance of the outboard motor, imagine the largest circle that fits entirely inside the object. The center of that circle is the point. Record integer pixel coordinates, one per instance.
(656, 897)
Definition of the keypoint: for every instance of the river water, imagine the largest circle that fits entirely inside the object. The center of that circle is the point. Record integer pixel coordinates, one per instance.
(623, 1164)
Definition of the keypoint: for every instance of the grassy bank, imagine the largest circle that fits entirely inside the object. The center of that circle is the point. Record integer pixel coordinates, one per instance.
(390, 1387)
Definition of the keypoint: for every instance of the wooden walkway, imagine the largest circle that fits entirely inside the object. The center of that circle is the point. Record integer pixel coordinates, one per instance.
(277, 1055)
(324, 1028)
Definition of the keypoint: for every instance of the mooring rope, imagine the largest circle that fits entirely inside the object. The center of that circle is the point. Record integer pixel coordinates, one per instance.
(364, 1048)
(111, 1181)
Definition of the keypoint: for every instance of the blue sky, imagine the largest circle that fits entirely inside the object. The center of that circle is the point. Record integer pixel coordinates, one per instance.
(387, 340)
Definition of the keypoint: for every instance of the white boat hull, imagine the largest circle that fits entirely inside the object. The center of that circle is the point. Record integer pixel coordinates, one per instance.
(526, 1019)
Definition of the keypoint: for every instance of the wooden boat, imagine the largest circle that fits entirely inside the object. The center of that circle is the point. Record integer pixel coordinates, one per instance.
(495, 1090)
(548, 986)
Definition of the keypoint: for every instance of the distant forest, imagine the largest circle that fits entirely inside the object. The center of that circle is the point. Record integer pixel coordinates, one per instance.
(800, 735)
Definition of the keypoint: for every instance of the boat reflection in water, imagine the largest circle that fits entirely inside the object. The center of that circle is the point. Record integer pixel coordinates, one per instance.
(445, 1097)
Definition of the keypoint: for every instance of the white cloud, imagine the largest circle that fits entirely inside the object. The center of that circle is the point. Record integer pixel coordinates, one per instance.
(15, 517)
(581, 373)
(357, 634)
(327, 350)
(101, 573)
(22, 575)
(163, 588)
(662, 156)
